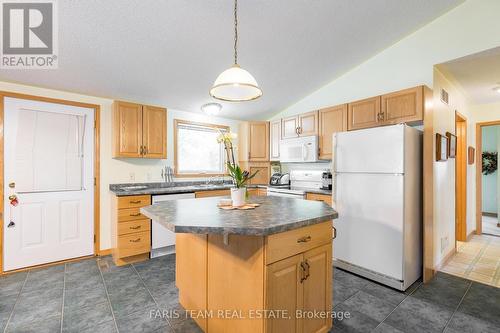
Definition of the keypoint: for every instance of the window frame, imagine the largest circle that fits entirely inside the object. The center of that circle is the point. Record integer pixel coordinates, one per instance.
(194, 123)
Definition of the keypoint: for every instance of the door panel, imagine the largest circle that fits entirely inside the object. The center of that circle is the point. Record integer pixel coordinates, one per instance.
(284, 291)
(275, 140)
(370, 209)
(403, 106)
(127, 129)
(289, 127)
(54, 219)
(308, 123)
(364, 113)
(258, 141)
(331, 120)
(154, 132)
(317, 287)
(375, 150)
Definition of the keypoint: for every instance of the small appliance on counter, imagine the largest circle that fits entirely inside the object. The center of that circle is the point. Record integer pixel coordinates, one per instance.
(326, 181)
(278, 179)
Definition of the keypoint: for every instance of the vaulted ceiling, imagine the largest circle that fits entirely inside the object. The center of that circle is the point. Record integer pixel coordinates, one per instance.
(169, 52)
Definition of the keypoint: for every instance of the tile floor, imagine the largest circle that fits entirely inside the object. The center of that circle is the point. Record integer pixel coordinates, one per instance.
(95, 296)
(490, 225)
(477, 260)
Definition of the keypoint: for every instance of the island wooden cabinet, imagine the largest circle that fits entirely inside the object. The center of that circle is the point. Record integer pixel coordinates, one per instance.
(364, 113)
(130, 230)
(212, 193)
(331, 120)
(139, 131)
(275, 138)
(305, 124)
(289, 271)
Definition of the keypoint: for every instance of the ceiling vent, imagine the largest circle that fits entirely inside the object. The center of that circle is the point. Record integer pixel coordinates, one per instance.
(444, 96)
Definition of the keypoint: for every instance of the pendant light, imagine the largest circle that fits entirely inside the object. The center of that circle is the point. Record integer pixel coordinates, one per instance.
(235, 84)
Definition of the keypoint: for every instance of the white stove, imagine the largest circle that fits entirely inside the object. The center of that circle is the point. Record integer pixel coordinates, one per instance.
(300, 182)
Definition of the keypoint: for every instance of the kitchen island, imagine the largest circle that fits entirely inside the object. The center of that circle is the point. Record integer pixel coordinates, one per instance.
(260, 270)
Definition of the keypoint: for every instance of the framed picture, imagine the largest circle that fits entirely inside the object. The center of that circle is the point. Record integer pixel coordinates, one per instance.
(441, 147)
(452, 145)
(471, 155)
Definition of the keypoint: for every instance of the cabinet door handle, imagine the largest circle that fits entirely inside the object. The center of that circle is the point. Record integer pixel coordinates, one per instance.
(135, 228)
(302, 272)
(307, 269)
(141, 150)
(135, 201)
(135, 214)
(304, 239)
(145, 150)
(135, 240)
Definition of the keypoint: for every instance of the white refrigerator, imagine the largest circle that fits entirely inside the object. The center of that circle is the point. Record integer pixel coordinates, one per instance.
(377, 192)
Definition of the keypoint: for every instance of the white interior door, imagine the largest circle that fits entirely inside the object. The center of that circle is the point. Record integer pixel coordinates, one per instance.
(48, 159)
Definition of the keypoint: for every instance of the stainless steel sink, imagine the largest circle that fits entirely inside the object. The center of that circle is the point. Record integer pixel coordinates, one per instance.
(134, 188)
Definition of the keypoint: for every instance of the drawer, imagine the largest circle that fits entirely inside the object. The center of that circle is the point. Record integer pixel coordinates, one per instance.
(319, 197)
(133, 226)
(130, 214)
(289, 243)
(212, 193)
(134, 201)
(133, 244)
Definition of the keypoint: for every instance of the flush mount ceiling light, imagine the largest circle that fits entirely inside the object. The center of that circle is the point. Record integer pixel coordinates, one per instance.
(235, 84)
(211, 108)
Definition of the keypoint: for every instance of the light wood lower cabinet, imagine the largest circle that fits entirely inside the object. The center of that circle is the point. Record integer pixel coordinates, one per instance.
(257, 191)
(244, 282)
(319, 197)
(130, 231)
(212, 193)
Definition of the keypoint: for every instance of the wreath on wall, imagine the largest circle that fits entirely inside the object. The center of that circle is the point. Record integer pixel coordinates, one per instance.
(489, 162)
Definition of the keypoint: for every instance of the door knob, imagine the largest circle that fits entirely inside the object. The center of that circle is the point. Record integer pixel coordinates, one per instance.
(12, 185)
(11, 224)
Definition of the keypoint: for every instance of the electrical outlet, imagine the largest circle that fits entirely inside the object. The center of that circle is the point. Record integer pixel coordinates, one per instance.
(444, 243)
(131, 176)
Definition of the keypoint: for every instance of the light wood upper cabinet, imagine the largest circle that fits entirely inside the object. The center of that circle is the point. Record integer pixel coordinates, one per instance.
(154, 137)
(284, 291)
(127, 129)
(403, 106)
(308, 123)
(302, 125)
(289, 127)
(253, 141)
(331, 120)
(365, 113)
(275, 137)
(139, 131)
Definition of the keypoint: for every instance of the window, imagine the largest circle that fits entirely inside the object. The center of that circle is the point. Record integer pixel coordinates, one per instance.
(196, 149)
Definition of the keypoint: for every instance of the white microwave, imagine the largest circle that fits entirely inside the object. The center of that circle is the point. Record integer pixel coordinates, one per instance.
(303, 149)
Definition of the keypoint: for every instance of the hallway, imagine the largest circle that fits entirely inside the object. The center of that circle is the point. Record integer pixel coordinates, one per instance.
(477, 260)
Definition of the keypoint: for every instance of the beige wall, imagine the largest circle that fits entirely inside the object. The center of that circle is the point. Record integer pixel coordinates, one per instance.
(120, 170)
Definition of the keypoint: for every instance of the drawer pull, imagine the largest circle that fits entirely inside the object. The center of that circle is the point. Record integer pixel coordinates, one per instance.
(135, 214)
(135, 240)
(135, 201)
(304, 239)
(135, 228)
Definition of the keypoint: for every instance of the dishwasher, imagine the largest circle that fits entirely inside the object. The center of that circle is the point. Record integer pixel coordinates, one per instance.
(162, 239)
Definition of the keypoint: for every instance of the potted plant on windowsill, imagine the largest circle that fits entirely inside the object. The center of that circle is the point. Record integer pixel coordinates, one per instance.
(240, 177)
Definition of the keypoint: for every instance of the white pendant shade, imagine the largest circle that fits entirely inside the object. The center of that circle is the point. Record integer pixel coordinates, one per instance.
(235, 85)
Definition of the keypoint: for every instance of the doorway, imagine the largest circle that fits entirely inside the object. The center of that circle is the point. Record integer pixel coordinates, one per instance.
(461, 178)
(488, 201)
(52, 179)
